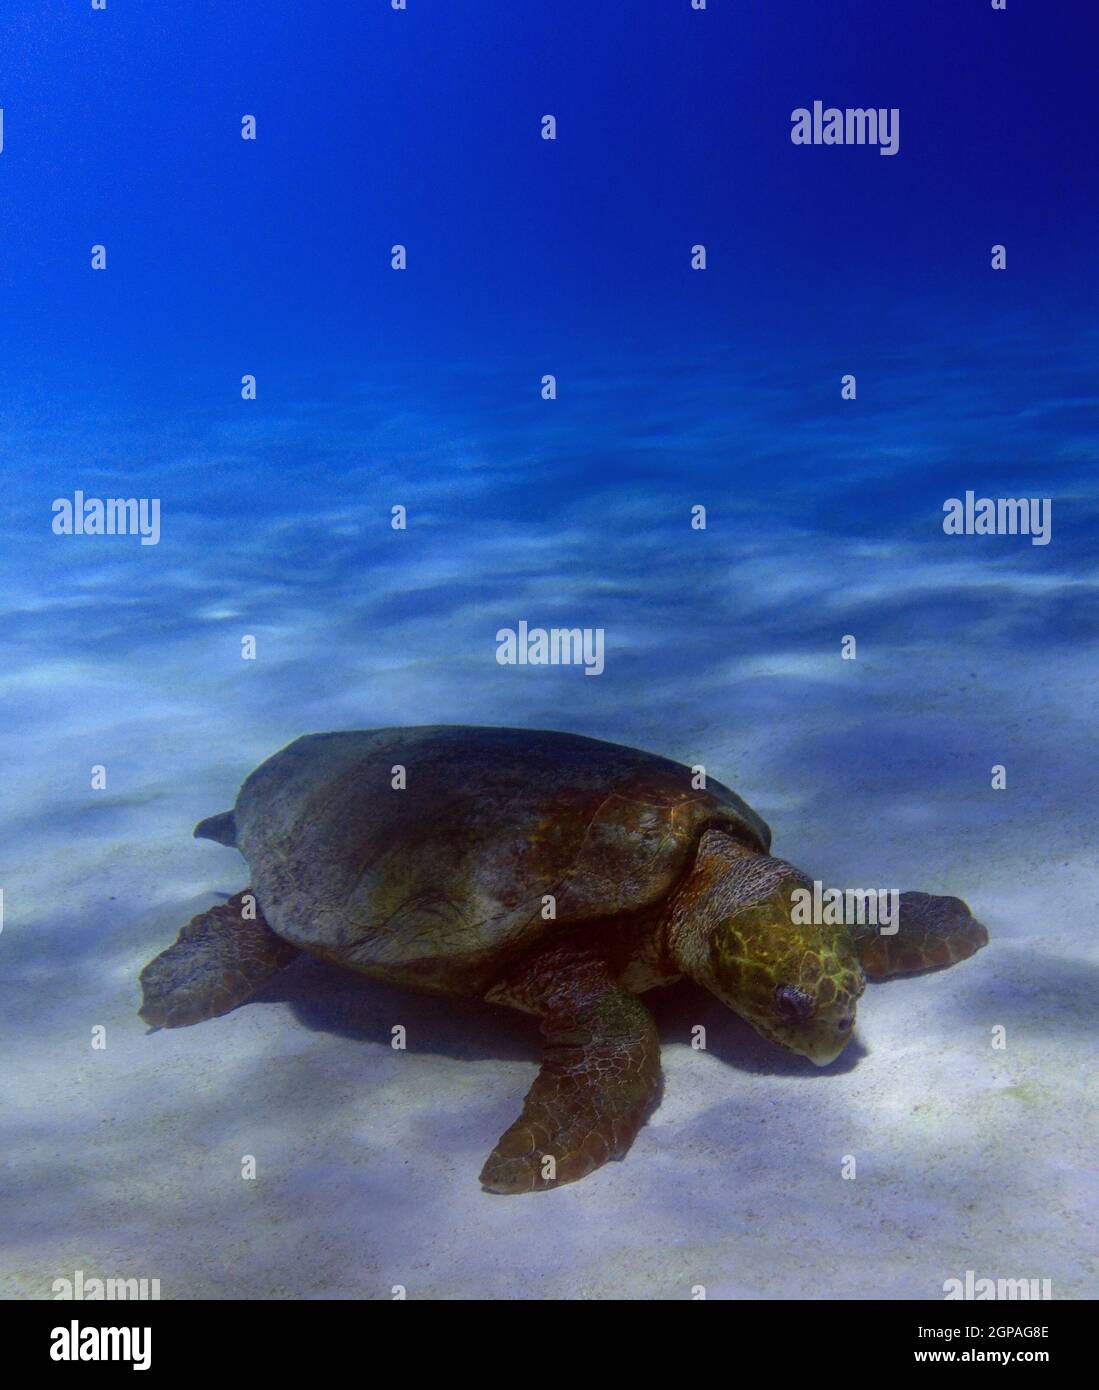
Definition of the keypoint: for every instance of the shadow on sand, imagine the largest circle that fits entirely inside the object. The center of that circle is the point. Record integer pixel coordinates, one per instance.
(327, 999)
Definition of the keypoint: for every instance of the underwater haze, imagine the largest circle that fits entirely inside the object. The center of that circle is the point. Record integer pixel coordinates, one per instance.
(214, 324)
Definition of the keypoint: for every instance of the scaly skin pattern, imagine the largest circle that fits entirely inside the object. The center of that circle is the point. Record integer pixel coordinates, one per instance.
(730, 928)
(219, 960)
(933, 931)
(600, 1073)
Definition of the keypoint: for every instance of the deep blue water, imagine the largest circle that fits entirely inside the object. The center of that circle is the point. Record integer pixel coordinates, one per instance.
(675, 387)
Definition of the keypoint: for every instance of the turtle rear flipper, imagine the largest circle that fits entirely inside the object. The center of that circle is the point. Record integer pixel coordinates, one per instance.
(933, 931)
(600, 1073)
(220, 959)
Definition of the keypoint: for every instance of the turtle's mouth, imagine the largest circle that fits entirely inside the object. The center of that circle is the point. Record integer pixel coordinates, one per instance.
(825, 1056)
(821, 1048)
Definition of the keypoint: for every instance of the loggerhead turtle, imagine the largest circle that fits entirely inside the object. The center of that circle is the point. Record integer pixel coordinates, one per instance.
(557, 874)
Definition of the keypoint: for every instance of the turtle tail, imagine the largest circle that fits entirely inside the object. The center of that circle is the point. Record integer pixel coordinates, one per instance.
(222, 828)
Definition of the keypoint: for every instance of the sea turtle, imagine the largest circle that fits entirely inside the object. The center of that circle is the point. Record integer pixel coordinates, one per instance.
(557, 874)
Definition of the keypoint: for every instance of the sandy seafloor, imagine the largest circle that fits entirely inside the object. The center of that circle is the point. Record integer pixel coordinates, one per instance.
(126, 1161)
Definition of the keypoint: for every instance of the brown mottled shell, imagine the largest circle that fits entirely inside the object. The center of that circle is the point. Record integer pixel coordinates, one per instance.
(436, 883)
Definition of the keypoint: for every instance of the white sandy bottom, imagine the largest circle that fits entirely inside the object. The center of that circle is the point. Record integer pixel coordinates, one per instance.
(126, 1161)
(967, 1157)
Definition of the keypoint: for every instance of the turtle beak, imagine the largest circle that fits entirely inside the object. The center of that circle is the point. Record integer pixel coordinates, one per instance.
(825, 1045)
(822, 1057)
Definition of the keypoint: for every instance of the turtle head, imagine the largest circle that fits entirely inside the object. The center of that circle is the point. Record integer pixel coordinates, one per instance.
(797, 984)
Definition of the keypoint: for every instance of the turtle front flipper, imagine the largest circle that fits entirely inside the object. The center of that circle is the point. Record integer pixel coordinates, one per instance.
(932, 931)
(600, 1072)
(220, 959)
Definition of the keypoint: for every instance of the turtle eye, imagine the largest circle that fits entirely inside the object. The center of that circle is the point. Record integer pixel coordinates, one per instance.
(793, 1003)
